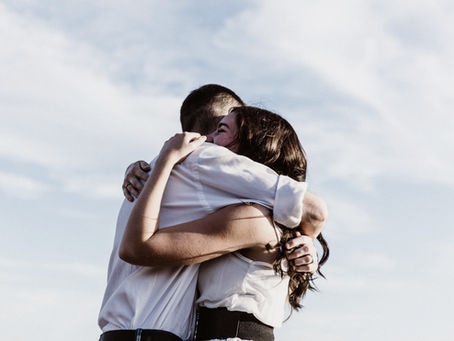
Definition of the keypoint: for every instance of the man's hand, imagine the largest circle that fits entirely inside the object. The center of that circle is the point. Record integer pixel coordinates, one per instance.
(302, 252)
(135, 175)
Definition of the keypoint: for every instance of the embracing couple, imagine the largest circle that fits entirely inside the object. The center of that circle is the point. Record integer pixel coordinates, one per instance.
(220, 239)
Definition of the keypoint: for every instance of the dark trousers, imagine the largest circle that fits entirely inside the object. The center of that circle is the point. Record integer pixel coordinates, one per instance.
(139, 335)
(220, 323)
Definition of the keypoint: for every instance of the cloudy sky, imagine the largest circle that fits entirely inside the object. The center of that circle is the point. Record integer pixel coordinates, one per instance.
(86, 87)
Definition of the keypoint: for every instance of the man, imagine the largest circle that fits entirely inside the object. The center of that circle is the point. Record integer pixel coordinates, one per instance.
(162, 298)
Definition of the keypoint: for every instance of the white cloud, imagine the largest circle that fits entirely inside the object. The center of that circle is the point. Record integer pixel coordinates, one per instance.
(372, 261)
(94, 185)
(61, 110)
(392, 62)
(21, 186)
(12, 266)
(45, 293)
(347, 218)
(358, 276)
(436, 258)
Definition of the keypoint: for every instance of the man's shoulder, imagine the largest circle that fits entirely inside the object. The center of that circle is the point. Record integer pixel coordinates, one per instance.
(211, 151)
(216, 158)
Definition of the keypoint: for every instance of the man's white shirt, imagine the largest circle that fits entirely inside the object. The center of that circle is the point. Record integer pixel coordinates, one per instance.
(210, 178)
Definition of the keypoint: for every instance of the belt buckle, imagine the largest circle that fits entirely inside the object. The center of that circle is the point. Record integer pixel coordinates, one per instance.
(138, 334)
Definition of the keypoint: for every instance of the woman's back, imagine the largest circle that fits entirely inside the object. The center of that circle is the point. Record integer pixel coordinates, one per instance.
(238, 283)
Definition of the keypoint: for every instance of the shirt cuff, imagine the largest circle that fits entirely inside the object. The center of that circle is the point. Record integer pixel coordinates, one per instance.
(288, 204)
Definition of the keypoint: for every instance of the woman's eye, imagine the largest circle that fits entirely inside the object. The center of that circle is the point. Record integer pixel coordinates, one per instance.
(221, 131)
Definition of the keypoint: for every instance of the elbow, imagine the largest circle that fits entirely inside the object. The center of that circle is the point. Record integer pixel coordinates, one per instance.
(314, 216)
(321, 213)
(125, 253)
(315, 209)
(139, 254)
(129, 254)
(320, 217)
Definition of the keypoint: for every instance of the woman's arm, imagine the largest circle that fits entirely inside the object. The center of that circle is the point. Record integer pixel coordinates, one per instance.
(229, 229)
(143, 221)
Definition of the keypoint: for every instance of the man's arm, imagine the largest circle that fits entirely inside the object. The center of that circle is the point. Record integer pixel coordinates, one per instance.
(315, 213)
(312, 223)
(310, 216)
(225, 178)
(235, 177)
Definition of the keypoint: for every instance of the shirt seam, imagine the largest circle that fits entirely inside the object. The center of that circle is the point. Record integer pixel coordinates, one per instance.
(199, 185)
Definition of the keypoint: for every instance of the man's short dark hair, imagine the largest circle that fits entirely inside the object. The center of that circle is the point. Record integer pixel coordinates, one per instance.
(202, 108)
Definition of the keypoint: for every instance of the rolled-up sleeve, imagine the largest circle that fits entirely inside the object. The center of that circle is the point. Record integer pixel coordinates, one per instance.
(288, 202)
(226, 178)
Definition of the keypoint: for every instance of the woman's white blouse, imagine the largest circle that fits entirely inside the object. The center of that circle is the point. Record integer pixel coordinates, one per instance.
(238, 283)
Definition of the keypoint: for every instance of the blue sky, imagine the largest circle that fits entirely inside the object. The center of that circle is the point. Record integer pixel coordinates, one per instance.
(86, 87)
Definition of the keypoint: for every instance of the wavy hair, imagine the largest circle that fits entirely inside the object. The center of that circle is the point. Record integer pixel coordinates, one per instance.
(268, 138)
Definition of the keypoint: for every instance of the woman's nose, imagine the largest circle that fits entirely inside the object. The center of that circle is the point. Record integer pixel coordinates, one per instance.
(210, 136)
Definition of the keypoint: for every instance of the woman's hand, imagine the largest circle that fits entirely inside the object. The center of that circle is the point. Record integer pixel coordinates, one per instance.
(143, 221)
(178, 147)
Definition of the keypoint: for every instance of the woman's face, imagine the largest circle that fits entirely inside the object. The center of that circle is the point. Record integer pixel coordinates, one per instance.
(226, 134)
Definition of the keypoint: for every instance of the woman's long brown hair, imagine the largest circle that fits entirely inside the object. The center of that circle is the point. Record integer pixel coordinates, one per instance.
(268, 138)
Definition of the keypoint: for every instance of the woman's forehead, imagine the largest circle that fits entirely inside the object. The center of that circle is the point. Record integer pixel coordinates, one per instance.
(229, 120)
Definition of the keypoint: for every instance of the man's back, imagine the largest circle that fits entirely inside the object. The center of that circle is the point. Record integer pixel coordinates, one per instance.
(210, 178)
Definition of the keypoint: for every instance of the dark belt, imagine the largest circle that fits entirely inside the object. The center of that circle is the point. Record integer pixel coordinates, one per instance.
(138, 335)
(220, 323)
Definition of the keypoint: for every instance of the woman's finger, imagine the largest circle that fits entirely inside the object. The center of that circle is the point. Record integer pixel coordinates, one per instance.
(191, 135)
(181, 145)
(192, 145)
(197, 142)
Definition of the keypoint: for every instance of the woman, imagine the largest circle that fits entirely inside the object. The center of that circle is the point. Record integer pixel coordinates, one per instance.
(254, 290)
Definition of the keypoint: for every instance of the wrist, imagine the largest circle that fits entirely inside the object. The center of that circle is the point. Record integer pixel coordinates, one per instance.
(165, 162)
